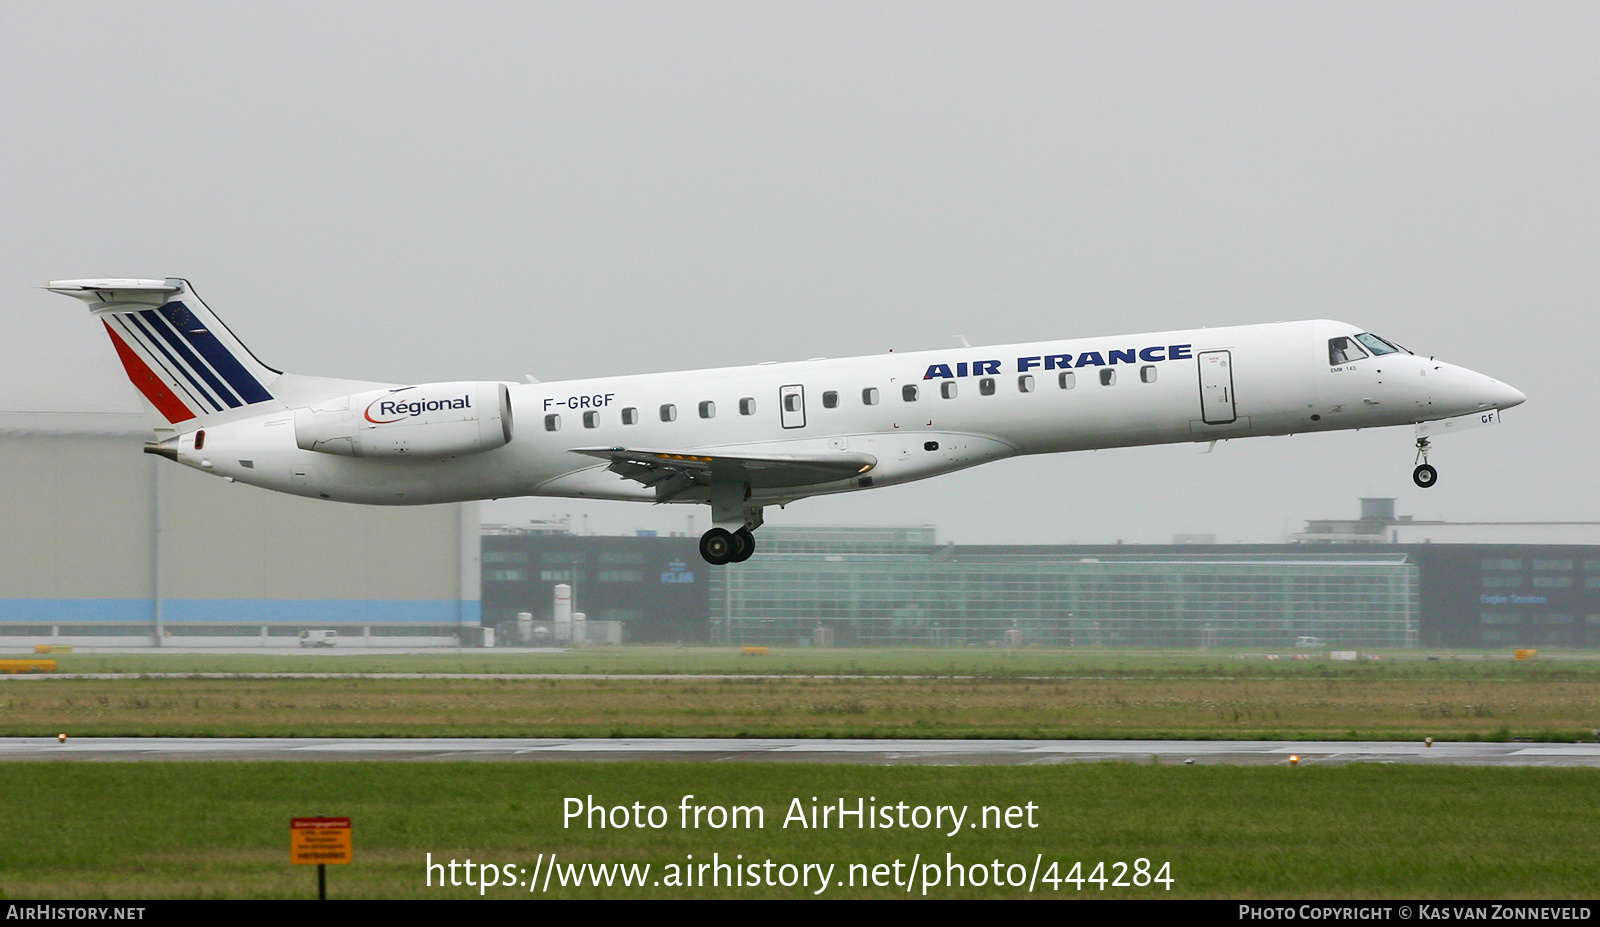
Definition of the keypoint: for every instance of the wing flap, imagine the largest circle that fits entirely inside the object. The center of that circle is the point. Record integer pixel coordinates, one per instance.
(672, 472)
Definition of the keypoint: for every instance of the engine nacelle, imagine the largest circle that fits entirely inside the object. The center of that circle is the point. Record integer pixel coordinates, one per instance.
(431, 420)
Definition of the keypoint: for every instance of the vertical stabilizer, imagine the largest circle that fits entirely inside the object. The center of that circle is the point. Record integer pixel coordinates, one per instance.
(182, 358)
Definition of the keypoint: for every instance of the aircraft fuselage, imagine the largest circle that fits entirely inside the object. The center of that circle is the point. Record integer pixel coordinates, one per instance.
(917, 414)
(741, 438)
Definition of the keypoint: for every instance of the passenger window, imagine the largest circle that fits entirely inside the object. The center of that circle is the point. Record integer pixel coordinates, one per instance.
(869, 396)
(1147, 373)
(708, 409)
(909, 392)
(552, 422)
(1068, 379)
(630, 416)
(1025, 383)
(669, 413)
(791, 402)
(1342, 350)
(947, 389)
(591, 419)
(830, 399)
(1108, 377)
(986, 386)
(747, 406)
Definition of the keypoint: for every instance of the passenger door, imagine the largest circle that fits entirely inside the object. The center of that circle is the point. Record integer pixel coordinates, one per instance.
(792, 406)
(1216, 387)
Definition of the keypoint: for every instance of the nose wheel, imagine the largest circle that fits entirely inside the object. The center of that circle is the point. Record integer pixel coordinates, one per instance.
(1424, 475)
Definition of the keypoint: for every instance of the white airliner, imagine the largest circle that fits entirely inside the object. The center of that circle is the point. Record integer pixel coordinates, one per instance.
(741, 438)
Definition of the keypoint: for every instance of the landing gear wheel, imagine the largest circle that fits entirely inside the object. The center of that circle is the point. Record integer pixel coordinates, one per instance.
(744, 544)
(1424, 476)
(717, 546)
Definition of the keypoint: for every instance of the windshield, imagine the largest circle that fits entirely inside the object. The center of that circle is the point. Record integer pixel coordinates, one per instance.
(1377, 345)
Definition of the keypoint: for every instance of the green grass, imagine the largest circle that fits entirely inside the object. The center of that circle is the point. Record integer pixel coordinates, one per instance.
(220, 830)
(987, 662)
(950, 694)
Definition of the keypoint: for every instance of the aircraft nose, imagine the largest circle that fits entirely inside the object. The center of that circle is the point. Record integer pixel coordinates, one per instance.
(1470, 391)
(1507, 396)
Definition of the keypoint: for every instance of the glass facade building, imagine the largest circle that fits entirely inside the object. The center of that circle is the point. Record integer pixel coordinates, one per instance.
(882, 587)
(900, 586)
(655, 588)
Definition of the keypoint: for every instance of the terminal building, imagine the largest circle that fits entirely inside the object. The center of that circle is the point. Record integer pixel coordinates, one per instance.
(906, 589)
(900, 587)
(653, 590)
(1340, 585)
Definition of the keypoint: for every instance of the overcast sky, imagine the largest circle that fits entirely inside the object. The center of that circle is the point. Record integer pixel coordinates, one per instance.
(427, 191)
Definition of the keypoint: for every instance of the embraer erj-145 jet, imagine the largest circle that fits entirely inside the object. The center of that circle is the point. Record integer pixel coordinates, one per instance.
(741, 438)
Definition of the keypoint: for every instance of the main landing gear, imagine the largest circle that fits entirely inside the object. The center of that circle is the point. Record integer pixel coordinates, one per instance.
(720, 546)
(729, 506)
(1424, 475)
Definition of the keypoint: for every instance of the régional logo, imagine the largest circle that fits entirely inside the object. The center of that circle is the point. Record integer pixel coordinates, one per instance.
(393, 410)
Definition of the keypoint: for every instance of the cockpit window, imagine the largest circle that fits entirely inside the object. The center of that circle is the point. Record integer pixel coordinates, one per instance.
(1343, 350)
(1377, 345)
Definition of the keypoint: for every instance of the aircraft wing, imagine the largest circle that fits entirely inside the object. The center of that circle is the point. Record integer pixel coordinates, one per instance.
(672, 472)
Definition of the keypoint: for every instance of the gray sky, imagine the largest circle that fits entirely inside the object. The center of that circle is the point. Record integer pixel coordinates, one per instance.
(428, 191)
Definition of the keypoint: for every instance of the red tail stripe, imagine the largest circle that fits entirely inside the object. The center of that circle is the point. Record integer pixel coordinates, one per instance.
(159, 394)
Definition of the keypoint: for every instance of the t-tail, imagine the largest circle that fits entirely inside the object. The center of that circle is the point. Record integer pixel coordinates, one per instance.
(180, 356)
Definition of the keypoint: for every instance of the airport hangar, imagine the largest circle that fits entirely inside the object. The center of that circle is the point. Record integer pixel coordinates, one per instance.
(106, 545)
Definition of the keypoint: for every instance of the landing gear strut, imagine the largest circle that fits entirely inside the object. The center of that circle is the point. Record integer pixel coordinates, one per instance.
(1424, 475)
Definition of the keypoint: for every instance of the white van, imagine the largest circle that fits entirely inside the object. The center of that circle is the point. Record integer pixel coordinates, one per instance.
(319, 638)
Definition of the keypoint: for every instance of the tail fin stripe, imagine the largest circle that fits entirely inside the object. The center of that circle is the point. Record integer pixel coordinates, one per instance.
(160, 396)
(174, 380)
(157, 350)
(151, 354)
(159, 326)
(214, 351)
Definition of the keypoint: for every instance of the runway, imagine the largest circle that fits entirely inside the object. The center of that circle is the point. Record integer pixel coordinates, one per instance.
(778, 750)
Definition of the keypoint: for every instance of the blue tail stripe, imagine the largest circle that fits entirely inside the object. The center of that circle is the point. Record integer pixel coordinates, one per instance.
(159, 322)
(221, 359)
(133, 333)
(154, 342)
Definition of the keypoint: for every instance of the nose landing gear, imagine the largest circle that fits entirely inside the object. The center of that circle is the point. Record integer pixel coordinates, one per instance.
(1424, 475)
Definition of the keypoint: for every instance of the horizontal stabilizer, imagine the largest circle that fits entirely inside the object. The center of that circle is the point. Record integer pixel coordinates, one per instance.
(101, 294)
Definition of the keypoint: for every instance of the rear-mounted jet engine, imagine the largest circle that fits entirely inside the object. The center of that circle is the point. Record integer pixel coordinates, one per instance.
(432, 420)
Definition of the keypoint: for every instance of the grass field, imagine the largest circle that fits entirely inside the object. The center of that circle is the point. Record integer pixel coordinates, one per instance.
(220, 830)
(159, 830)
(855, 694)
(803, 661)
